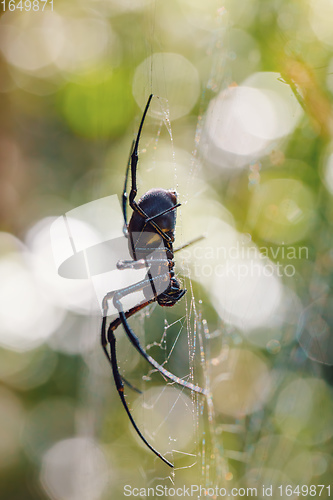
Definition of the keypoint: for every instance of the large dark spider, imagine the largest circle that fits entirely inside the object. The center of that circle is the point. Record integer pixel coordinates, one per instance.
(152, 223)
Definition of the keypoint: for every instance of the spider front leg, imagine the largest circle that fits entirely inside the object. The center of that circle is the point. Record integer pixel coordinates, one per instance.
(135, 156)
(125, 195)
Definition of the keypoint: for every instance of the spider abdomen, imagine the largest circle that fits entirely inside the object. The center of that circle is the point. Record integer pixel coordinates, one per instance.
(154, 202)
(143, 236)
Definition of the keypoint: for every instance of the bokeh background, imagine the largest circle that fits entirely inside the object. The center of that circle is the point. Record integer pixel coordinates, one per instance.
(242, 128)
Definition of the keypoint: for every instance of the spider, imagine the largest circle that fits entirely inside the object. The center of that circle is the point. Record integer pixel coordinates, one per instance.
(151, 227)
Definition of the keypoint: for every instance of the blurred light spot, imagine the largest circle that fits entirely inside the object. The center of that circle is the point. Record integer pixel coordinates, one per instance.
(287, 109)
(75, 295)
(48, 422)
(243, 121)
(241, 385)
(250, 299)
(271, 336)
(282, 210)
(31, 42)
(243, 285)
(240, 121)
(206, 15)
(27, 318)
(41, 44)
(165, 416)
(11, 421)
(98, 104)
(293, 407)
(304, 411)
(86, 40)
(74, 469)
(203, 15)
(320, 15)
(174, 78)
(45, 47)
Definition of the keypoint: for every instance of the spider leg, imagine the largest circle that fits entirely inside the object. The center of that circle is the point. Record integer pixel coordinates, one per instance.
(134, 206)
(164, 212)
(132, 264)
(116, 322)
(120, 389)
(131, 335)
(113, 327)
(134, 157)
(104, 344)
(191, 242)
(140, 285)
(135, 341)
(125, 195)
